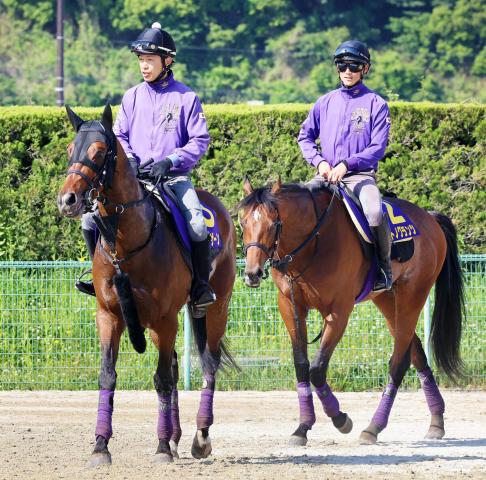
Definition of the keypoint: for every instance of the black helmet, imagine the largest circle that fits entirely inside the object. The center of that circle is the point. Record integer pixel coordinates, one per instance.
(352, 50)
(154, 41)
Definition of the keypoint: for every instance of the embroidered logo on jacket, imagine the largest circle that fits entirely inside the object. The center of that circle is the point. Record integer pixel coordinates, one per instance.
(359, 118)
(170, 117)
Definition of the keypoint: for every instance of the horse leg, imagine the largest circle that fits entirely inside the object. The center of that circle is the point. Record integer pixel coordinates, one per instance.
(431, 391)
(164, 385)
(110, 332)
(403, 329)
(298, 336)
(335, 327)
(174, 409)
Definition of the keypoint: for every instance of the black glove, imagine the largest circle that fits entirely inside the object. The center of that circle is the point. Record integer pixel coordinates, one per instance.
(160, 169)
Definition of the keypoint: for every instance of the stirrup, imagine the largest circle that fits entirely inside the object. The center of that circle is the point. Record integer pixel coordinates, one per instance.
(85, 287)
(383, 283)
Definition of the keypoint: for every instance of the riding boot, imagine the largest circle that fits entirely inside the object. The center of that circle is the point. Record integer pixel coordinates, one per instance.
(202, 295)
(382, 238)
(90, 239)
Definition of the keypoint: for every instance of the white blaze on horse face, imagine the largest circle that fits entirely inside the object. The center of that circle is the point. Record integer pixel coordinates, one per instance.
(257, 216)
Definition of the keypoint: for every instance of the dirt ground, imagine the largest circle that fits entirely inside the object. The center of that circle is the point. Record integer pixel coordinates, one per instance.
(49, 435)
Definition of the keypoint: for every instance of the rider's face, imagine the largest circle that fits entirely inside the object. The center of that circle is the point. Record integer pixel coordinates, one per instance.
(349, 78)
(151, 66)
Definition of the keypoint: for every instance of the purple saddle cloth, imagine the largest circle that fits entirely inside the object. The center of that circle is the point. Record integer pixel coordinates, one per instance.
(402, 229)
(181, 225)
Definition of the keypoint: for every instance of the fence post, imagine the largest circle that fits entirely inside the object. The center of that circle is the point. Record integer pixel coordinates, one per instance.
(427, 331)
(187, 349)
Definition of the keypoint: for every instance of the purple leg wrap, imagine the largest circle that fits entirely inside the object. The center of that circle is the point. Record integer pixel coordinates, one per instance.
(174, 414)
(105, 412)
(431, 391)
(307, 414)
(328, 400)
(380, 418)
(164, 424)
(205, 416)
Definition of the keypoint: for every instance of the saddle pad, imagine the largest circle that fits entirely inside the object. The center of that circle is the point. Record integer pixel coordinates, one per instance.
(180, 224)
(402, 228)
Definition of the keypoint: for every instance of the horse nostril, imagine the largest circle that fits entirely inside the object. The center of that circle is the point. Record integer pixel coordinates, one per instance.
(259, 273)
(70, 198)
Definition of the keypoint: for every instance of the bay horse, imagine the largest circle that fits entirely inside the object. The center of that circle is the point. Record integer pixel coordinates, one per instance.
(318, 263)
(142, 281)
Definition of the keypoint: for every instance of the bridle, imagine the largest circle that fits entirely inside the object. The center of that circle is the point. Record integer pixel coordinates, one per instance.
(281, 264)
(89, 133)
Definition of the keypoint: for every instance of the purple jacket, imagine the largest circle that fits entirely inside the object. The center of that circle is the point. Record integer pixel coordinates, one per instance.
(163, 120)
(351, 124)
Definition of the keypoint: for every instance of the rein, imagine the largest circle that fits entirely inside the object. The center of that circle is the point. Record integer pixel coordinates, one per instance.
(282, 265)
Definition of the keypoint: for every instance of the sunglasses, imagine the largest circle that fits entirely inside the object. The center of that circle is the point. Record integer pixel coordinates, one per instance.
(353, 67)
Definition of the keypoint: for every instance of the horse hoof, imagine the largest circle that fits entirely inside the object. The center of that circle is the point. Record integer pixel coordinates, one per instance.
(435, 433)
(297, 441)
(367, 438)
(173, 449)
(342, 422)
(163, 458)
(98, 459)
(201, 447)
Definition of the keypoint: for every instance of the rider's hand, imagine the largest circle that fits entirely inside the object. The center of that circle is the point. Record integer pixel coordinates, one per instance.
(323, 169)
(337, 173)
(160, 169)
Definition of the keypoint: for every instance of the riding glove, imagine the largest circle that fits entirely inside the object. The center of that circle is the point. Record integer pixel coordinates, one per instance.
(161, 168)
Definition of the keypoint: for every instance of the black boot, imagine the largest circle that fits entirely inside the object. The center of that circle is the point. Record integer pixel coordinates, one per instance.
(202, 295)
(382, 237)
(90, 239)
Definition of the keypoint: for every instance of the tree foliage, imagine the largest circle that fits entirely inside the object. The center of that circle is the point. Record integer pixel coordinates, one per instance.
(238, 50)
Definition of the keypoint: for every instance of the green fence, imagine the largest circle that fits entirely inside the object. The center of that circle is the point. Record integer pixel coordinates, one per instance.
(48, 337)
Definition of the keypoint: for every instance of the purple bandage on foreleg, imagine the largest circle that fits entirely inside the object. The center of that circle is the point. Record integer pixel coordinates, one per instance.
(328, 400)
(105, 412)
(380, 418)
(431, 390)
(164, 424)
(205, 416)
(307, 414)
(174, 415)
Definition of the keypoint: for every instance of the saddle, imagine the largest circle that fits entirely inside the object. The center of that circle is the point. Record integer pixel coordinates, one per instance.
(169, 203)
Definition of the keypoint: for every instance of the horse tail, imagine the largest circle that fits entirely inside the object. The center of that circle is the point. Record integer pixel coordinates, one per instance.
(446, 326)
(210, 361)
(129, 311)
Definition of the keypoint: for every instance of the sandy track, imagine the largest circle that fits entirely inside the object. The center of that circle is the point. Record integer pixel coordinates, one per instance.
(49, 435)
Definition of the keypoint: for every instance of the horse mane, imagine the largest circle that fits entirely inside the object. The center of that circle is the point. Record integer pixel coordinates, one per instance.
(264, 196)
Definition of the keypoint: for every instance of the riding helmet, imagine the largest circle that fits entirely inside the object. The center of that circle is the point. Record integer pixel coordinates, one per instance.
(154, 41)
(353, 50)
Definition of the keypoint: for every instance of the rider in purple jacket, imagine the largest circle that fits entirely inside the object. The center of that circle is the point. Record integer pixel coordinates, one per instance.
(352, 124)
(162, 119)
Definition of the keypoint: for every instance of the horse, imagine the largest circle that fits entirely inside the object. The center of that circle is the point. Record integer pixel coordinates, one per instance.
(142, 281)
(318, 263)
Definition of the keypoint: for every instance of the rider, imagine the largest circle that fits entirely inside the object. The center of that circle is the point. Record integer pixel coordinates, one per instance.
(162, 119)
(352, 124)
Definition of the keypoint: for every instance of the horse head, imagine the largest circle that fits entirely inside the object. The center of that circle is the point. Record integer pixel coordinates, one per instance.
(261, 226)
(92, 161)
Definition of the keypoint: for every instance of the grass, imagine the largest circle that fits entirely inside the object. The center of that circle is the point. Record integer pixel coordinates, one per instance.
(48, 337)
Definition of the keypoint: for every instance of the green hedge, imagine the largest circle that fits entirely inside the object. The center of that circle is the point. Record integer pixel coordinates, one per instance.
(436, 158)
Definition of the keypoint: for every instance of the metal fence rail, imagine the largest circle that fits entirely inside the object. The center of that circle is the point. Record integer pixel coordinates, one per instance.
(48, 337)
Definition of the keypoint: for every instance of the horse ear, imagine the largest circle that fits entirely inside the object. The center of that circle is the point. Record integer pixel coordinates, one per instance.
(247, 188)
(277, 185)
(107, 117)
(76, 121)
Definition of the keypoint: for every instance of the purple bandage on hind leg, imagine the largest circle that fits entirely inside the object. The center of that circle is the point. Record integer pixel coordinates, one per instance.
(328, 400)
(380, 418)
(105, 412)
(307, 414)
(164, 424)
(174, 415)
(205, 416)
(431, 391)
